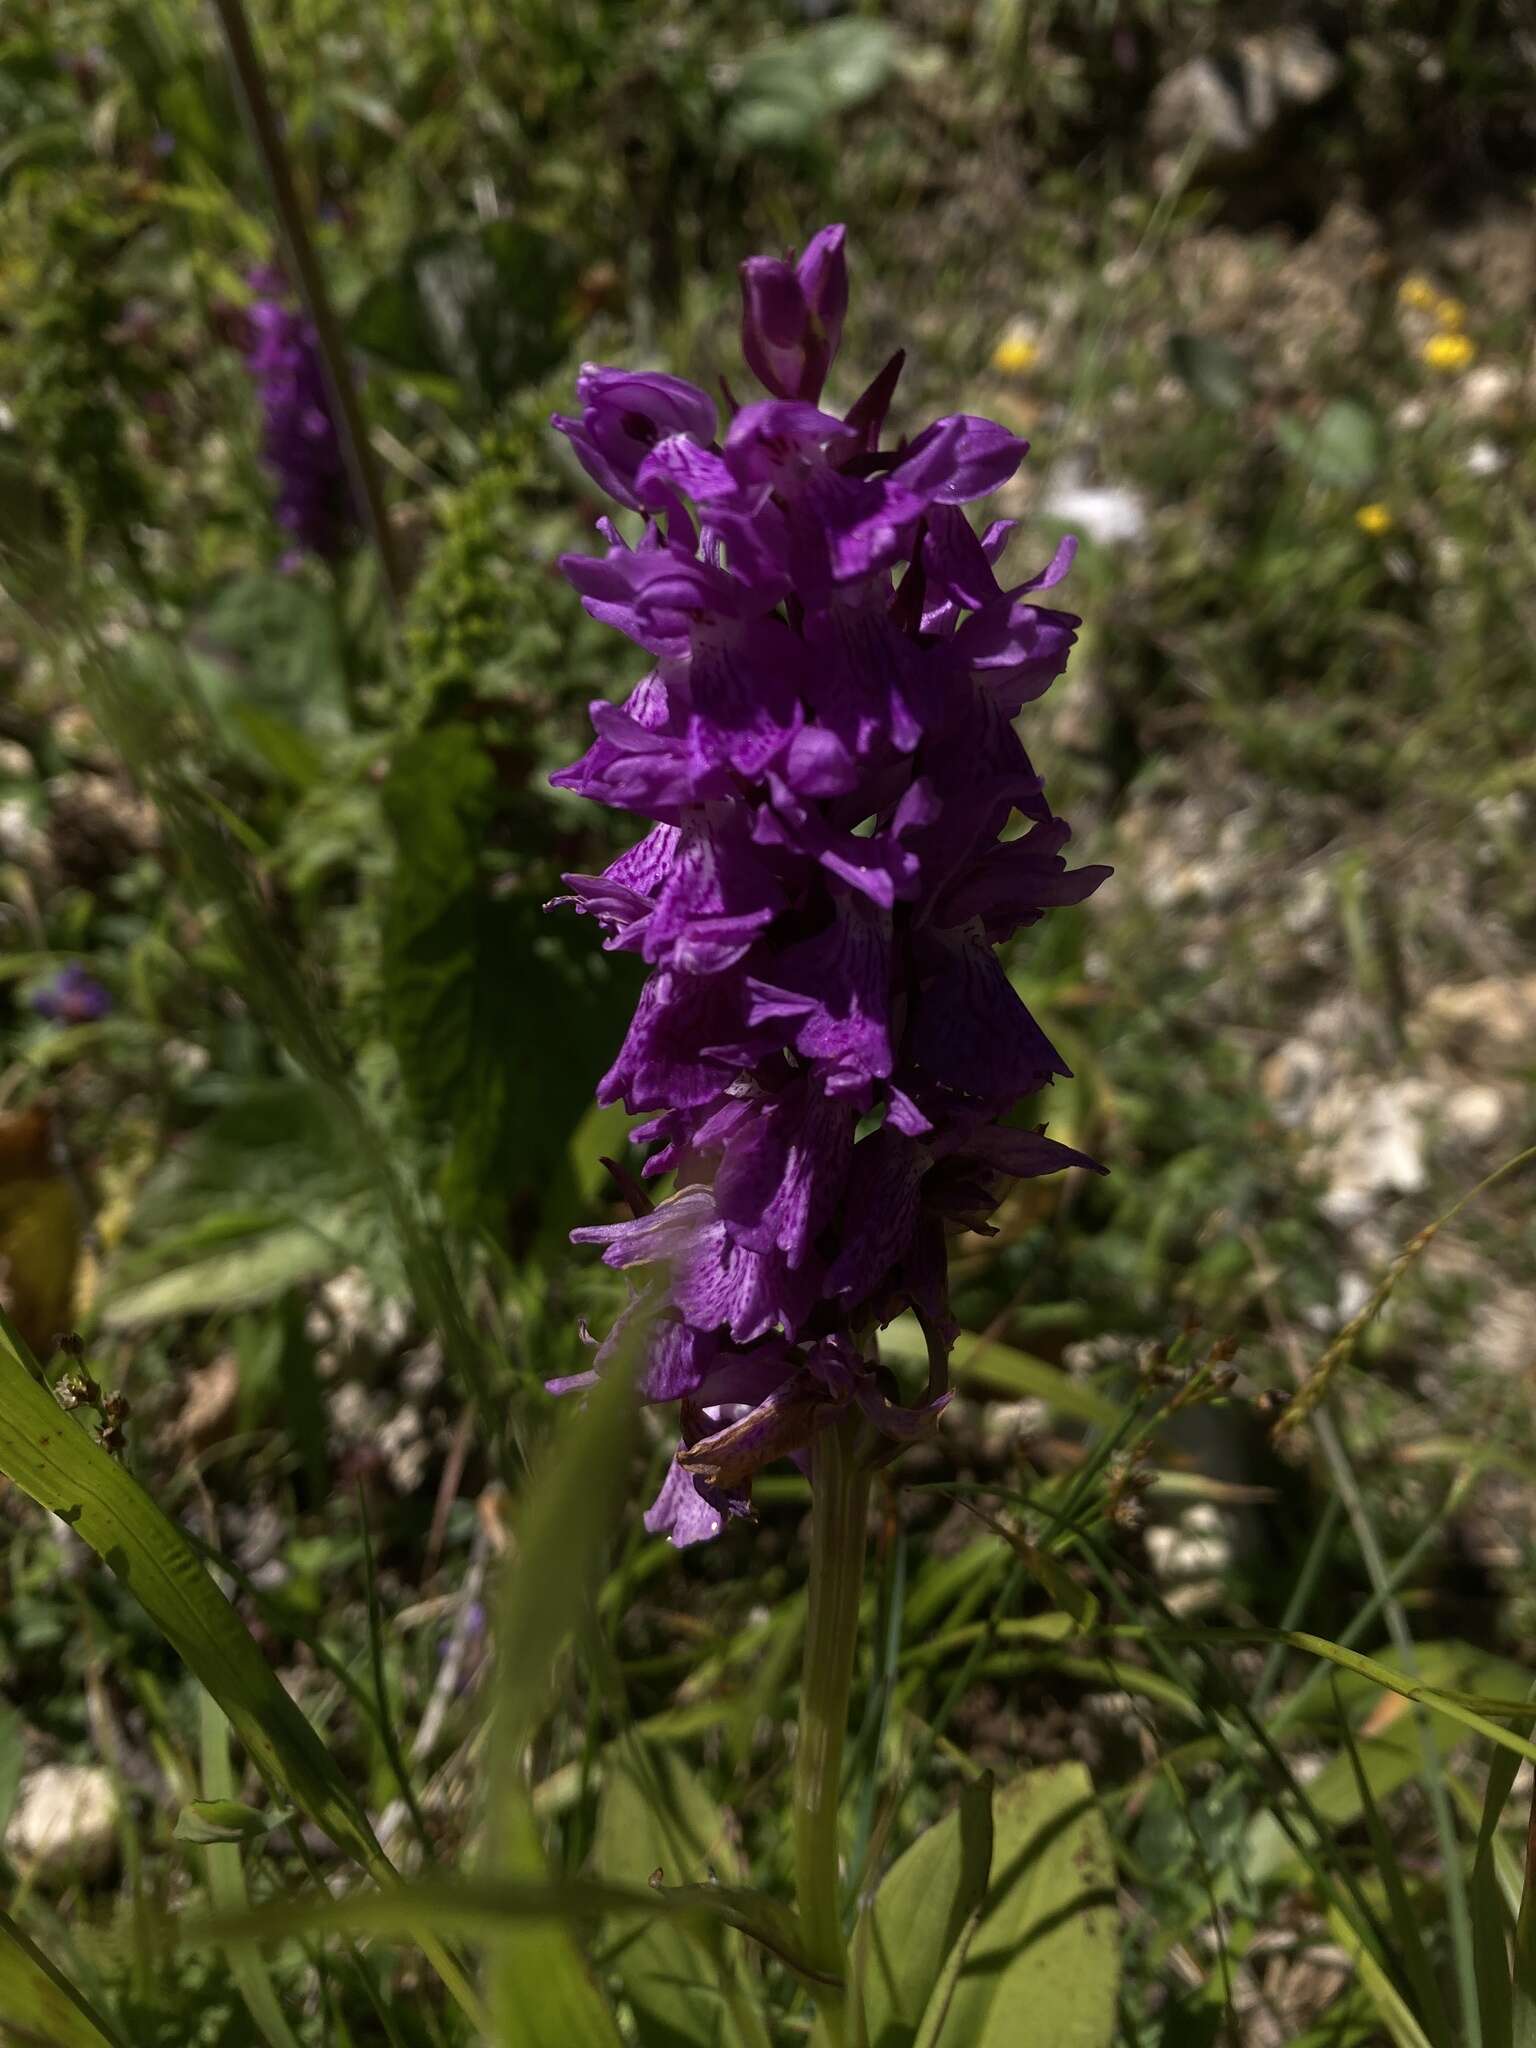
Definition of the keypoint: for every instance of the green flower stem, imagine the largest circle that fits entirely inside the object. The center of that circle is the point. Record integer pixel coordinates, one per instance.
(840, 1499)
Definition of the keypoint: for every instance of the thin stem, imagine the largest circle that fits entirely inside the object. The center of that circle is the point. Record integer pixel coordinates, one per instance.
(306, 272)
(840, 1501)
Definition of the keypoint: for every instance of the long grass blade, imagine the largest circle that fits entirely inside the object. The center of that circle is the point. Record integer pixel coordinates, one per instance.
(37, 2002)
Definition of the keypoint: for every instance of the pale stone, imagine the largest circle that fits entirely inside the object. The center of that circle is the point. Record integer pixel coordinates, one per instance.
(64, 1826)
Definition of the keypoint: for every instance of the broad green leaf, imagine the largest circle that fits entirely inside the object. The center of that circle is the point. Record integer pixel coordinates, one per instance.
(1210, 370)
(37, 2003)
(49, 1455)
(922, 1906)
(653, 1814)
(502, 1022)
(790, 90)
(1045, 1962)
(1345, 447)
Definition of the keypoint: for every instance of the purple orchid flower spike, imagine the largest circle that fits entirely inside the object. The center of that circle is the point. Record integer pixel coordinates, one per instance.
(792, 316)
(843, 827)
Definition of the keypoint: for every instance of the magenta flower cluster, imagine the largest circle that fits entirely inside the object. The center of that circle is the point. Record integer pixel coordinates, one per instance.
(299, 438)
(845, 825)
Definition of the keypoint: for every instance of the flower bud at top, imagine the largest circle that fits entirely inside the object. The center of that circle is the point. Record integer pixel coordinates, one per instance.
(792, 316)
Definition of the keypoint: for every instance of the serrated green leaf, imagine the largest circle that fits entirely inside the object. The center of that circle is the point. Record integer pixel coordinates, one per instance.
(37, 2003)
(922, 1907)
(1045, 1961)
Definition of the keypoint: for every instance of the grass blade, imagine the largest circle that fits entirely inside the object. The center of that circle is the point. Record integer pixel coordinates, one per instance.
(226, 1883)
(38, 2005)
(1405, 1925)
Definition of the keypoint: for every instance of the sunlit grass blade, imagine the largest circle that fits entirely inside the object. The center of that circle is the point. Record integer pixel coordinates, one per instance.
(487, 1907)
(1523, 1982)
(37, 2003)
(1388, 2000)
(542, 1993)
(226, 1881)
(1414, 1957)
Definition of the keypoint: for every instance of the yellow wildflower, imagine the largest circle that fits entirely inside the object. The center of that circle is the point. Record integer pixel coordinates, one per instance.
(1449, 352)
(1451, 314)
(1418, 292)
(1015, 354)
(1374, 519)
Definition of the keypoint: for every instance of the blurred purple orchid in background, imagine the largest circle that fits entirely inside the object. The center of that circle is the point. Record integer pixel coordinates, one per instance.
(72, 997)
(300, 440)
(828, 1049)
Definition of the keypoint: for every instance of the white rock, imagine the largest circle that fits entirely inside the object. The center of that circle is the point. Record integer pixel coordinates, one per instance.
(1485, 458)
(1484, 389)
(64, 1826)
(404, 1447)
(1372, 1144)
(1490, 1023)
(1106, 513)
(1476, 1113)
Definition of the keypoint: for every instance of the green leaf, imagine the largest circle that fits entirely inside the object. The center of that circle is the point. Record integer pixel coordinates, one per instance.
(1345, 447)
(1001, 1368)
(542, 1993)
(491, 307)
(52, 1459)
(1045, 1961)
(209, 1821)
(263, 1265)
(653, 1814)
(227, 1824)
(267, 657)
(791, 90)
(37, 2003)
(1210, 370)
(923, 1905)
(1411, 1952)
(502, 1031)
